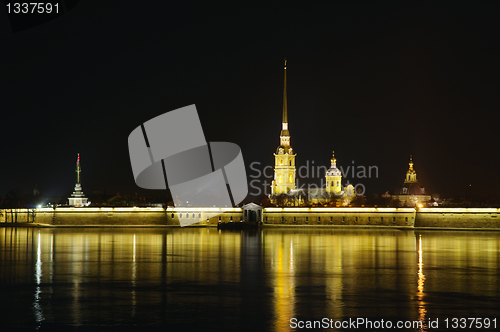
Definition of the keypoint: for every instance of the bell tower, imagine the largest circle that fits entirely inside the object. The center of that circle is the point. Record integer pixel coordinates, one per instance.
(284, 158)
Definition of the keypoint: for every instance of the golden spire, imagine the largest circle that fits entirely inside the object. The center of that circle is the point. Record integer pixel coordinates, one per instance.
(285, 134)
(411, 164)
(333, 158)
(285, 111)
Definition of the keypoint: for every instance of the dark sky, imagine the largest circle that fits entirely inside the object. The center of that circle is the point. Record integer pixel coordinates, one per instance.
(373, 81)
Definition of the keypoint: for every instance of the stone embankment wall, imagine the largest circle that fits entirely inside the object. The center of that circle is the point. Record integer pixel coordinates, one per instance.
(368, 217)
(94, 216)
(457, 218)
(86, 216)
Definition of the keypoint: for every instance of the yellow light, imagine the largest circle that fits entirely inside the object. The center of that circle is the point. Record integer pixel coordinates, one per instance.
(420, 205)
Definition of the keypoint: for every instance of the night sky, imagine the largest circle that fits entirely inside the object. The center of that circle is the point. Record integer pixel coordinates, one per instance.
(373, 81)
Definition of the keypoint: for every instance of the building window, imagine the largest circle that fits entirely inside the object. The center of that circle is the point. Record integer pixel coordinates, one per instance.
(266, 218)
(319, 219)
(331, 219)
(172, 216)
(307, 218)
(282, 219)
(294, 219)
(394, 219)
(290, 163)
(199, 215)
(180, 215)
(381, 219)
(356, 219)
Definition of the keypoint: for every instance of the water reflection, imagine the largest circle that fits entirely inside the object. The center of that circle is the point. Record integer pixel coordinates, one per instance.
(242, 280)
(38, 275)
(421, 280)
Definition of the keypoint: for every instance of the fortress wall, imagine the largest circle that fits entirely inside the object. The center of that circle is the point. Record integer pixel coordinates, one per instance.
(101, 216)
(121, 216)
(369, 217)
(207, 216)
(458, 218)
(16, 215)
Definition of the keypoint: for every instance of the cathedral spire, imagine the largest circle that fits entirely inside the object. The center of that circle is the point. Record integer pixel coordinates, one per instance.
(284, 162)
(285, 111)
(284, 125)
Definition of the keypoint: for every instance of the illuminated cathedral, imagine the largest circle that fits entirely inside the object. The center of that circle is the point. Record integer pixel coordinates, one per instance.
(284, 158)
(283, 184)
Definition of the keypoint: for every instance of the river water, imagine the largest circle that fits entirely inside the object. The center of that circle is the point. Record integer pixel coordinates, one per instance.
(149, 279)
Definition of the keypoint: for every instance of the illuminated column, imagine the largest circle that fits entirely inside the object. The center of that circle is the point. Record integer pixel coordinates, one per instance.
(284, 158)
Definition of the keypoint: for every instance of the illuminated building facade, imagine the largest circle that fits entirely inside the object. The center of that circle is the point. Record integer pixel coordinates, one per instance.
(284, 158)
(77, 198)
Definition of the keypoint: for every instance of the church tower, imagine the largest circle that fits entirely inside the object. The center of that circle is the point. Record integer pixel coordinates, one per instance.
(77, 197)
(284, 158)
(334, 178)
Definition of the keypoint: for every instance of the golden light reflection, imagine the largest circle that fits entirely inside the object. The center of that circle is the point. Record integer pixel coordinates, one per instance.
(422, 311)
(37, 308)
(134, 276)
(307, 273)
(284, 290)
